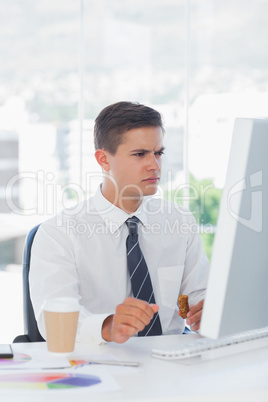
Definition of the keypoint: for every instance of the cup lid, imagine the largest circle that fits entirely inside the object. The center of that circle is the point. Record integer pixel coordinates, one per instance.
(61, 305)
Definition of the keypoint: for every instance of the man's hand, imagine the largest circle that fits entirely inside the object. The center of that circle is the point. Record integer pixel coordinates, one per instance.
(130, 317)
(194, 315)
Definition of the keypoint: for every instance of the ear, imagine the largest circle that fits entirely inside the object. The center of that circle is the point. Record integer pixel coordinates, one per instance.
(102, 158)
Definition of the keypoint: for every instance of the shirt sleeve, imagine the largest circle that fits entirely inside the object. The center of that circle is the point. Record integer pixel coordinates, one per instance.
(195, 276)
(53, 273)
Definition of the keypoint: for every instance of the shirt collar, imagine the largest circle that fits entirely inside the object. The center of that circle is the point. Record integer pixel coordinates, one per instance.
(113, 216)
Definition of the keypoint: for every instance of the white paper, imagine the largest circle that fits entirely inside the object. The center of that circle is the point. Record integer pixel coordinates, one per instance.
(83, 380)
(40, 359)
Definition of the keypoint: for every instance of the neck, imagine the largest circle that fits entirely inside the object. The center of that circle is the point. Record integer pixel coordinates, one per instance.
(128, 203)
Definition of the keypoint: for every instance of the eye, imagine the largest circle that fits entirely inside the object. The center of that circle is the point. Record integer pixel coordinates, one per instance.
(159, 153)
(139, 154)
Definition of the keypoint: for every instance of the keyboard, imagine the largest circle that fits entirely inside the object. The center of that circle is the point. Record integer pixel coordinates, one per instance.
(210, 348)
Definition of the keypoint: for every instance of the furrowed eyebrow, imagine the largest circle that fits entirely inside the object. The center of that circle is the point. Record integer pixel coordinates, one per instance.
(140, 151)
(145, 151)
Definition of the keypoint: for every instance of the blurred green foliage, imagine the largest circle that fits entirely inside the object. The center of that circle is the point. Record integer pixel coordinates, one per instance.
(204, 201)
(208, 239)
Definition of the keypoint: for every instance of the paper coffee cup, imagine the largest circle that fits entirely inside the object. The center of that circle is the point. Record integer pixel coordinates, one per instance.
(61, 318)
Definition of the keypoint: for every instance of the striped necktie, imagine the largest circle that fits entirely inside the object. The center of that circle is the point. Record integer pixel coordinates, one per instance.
(140, 277)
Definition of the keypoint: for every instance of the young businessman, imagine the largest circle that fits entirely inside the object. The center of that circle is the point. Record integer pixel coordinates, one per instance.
(86, 255)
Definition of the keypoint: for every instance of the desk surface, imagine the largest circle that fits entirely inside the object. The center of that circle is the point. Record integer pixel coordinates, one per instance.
(241, 377)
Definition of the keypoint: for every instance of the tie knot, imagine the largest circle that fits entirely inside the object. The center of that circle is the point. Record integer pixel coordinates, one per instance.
(132, 224)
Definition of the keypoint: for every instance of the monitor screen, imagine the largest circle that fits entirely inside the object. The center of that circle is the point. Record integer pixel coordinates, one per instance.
(237, 293)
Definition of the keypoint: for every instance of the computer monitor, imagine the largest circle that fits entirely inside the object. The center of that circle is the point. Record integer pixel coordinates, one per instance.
(237, 293)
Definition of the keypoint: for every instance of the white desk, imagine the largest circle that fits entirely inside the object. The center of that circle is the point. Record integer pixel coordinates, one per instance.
(241, 377)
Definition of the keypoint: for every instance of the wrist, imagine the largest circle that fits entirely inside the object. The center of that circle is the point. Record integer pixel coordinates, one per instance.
(106, 332)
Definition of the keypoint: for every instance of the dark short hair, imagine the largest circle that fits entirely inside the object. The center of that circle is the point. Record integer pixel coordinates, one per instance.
(115, 120)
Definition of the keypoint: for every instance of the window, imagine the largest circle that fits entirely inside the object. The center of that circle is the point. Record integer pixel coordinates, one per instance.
(201, 63)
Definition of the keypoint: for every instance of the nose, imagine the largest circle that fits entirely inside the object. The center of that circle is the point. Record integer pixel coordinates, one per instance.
(154, 164)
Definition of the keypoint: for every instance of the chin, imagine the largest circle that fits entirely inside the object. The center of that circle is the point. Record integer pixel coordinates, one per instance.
(150, 191)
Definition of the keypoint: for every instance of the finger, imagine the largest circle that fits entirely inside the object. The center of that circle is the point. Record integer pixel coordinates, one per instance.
(122, 333)
(134, 311)
(132, 301)
(194, 319)
(125, 325)
(133, 316)
(196, 326)
(194, 309)
(193, 322)
(149, 309)
(154, 307)
(137, 323)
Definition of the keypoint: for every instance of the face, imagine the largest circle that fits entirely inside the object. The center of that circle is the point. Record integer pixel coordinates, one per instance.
(136, 165)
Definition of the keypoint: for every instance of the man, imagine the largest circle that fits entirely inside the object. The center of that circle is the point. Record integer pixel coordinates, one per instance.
(86, 255)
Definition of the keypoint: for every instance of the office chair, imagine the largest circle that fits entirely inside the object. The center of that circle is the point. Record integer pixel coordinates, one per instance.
(32, 333)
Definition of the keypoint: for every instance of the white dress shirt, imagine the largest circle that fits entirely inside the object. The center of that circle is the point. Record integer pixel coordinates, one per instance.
(81, 253)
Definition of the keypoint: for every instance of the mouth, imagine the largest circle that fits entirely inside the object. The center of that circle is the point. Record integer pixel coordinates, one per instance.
(152, 179)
